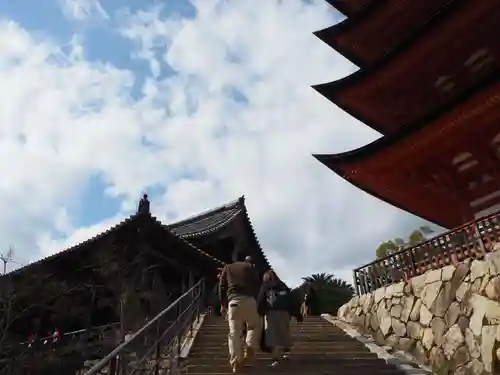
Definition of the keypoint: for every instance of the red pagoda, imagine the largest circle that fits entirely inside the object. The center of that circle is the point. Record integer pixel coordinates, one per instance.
(429, 83)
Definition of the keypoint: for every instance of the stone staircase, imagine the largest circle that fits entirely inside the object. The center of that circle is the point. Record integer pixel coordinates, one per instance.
(319, 348)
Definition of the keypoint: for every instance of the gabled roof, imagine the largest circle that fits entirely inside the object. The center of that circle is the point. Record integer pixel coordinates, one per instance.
(207, 222)
(193, 228)
(132, 221)
(217, 219)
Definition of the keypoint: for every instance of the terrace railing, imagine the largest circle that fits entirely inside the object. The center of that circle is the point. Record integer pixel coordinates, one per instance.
(155, 348)
(471, 240)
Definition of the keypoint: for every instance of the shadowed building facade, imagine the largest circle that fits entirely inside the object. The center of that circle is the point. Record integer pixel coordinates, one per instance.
(96, 292)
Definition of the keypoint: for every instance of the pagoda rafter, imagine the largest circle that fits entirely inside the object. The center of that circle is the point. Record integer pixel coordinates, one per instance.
(350, 8)
(442, 66)
(383, 28)
(445, 172)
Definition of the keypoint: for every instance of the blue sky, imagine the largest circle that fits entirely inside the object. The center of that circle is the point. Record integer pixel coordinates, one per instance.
(195, 103)
(102, 43)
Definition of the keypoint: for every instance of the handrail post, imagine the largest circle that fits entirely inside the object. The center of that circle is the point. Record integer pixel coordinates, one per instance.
(158, 351)
(482, 248)
(176, 306)
(356, 284)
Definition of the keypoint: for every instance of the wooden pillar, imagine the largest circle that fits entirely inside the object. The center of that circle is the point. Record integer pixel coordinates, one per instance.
(131, 317)
(190, 279)
(239, 249)
(131, 313)
(93, 306)
(160, 295)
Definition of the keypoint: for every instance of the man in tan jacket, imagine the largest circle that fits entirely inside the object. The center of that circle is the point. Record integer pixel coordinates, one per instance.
(239, 286)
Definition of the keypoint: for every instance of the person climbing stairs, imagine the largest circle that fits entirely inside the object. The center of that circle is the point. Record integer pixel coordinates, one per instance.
(319, 348)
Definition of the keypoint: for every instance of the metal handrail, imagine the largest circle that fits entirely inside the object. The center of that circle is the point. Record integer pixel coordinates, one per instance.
(125, 345)
(479, 231)
(73, 333)
(430, 240)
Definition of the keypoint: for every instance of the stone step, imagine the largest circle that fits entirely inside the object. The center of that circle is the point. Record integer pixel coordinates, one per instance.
(332, 355)
(312, 338)
(295, 349)
(297, 342)
(303, 359)
(278, 371)
(318, 348)
(293, 369)
(223, 330)
(333, 350)
(282, 371)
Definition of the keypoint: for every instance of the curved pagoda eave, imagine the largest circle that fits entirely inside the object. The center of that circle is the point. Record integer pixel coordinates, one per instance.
(386, 98)
(384, 28)
(446, 173)
(381, 193)
(349, 8)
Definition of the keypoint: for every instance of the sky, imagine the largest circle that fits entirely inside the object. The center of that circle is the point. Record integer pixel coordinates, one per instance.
(193, 102)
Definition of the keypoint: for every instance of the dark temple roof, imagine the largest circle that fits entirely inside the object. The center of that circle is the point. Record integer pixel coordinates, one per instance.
(130, 222)
(195, 227)
(215, 220)
(207, 222)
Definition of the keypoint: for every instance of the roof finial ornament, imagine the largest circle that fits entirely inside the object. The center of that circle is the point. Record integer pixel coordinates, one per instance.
(144, 204)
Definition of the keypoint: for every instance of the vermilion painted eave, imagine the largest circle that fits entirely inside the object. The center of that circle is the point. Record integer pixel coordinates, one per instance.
(330, 92)
(385, 142)
(343, 8)
(334, 165)
(332, 34)
(407, 129)
(336, 161)
(329, 37)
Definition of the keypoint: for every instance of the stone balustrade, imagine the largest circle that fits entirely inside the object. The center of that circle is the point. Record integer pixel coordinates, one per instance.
(448, 318)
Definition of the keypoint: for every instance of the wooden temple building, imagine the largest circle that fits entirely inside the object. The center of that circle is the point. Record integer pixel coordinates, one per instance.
(95, 292)
(428, 81)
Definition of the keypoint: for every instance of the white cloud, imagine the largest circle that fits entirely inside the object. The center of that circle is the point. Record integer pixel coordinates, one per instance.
(78, 119)
(83, 9)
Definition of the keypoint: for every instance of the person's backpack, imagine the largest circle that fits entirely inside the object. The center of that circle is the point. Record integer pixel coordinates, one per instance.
(278, 298)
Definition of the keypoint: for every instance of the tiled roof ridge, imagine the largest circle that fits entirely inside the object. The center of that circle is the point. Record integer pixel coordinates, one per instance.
(180, 238)
(252, 230)
(231, 205)
(101, 235)
(98, 236)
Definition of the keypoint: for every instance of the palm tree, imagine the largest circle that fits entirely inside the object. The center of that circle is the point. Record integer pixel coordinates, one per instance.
(319, 279)
(331, 291)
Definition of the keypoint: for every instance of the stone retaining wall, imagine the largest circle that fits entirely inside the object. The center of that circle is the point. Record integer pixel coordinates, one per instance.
(448, 318)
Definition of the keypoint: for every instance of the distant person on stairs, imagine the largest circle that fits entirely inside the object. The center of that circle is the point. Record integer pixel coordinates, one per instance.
(310, 304)
(239, 286)
(278, 305)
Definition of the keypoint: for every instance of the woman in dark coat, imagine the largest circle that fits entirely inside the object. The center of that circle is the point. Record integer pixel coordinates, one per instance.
(310, 304)
(277, 305)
